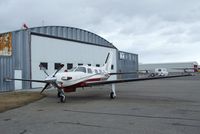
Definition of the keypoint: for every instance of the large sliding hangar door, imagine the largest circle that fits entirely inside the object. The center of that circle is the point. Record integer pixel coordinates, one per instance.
(51, 51)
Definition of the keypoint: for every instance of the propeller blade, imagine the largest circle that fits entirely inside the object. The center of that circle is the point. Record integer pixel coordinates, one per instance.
(44, 69)
(45, 87)
(61, 66)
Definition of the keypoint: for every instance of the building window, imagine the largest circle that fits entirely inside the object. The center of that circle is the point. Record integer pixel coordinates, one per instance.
(112, 67)
(121, 56)
(80, 64)
(43, 65)
(97, 65)
(69, 66)
(57, 66)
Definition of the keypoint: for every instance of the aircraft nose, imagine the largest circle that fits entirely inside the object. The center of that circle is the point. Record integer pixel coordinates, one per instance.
(50, 79)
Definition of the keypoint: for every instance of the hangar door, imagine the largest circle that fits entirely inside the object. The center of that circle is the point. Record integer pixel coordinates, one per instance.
(50, 51)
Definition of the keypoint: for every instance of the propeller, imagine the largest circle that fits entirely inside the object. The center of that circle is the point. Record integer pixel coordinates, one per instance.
(50, 79)
(60, 67)
(45, 87)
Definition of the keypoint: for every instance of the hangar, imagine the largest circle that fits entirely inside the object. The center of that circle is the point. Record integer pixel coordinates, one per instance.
(22, 51)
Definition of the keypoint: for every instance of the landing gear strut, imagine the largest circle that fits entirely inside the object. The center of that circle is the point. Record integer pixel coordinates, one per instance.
(61, 95)
(113, 93)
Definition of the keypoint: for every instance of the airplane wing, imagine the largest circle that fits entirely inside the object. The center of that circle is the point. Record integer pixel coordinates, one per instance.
(41, 81)
(88, 84)
(118, 73)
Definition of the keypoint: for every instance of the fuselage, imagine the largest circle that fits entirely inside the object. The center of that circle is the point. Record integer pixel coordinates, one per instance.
(78, 76)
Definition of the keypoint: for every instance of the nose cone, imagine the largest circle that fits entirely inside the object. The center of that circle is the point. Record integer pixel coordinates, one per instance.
(50, 79)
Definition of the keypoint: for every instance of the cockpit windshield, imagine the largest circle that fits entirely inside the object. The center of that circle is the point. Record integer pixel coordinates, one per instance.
(80, 69)
(72, 70)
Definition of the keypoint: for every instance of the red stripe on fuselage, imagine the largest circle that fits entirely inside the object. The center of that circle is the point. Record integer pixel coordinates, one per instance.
(72, 88)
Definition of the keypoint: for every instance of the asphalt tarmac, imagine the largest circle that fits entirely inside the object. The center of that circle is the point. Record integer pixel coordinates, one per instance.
(170, 106)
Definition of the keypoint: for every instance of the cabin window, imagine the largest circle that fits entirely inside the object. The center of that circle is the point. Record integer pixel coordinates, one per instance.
(89, 64)
(89, 70)
(69, 66)
(43, 65)
(96, 71)
(97, 65)
(100, 71)
(80, 69)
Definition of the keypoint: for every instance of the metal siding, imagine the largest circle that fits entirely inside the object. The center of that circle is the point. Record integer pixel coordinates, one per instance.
(6, 71)
(128, 65)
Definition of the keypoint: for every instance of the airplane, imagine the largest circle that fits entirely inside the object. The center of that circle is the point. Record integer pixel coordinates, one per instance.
(85, 76)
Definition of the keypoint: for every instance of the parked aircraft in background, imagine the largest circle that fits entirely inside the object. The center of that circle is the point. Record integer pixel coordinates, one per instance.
(85, 76)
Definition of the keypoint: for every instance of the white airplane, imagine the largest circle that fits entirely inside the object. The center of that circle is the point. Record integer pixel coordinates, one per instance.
(85, 76)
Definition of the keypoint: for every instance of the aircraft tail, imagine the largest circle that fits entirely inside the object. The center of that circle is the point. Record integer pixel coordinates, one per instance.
(108, 62)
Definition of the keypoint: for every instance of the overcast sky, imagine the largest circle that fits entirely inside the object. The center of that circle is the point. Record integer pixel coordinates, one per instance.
(156, 30)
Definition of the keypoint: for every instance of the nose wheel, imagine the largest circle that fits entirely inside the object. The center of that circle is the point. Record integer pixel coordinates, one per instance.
(113, 93)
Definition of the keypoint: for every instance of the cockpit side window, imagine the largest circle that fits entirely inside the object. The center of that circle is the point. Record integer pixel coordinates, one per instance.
(80, 69)
(89, 70)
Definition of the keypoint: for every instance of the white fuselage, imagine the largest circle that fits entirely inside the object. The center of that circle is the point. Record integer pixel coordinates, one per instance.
(80, 75)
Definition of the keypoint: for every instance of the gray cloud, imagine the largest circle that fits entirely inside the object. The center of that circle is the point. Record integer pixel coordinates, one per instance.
(158, 30)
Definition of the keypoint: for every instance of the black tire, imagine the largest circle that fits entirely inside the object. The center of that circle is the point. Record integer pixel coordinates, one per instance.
(112, 95)
(59, 94)
(152, 75)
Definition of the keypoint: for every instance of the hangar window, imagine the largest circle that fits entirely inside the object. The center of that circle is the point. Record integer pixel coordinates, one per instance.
(69, 65)
(43, 65)
(57, 66)
(112, 67)
(121, 56)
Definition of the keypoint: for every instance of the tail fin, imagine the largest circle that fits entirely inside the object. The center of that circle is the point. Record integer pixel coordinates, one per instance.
(108, 62)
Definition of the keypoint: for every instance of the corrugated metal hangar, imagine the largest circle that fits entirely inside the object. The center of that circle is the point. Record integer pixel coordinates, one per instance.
(22, 51)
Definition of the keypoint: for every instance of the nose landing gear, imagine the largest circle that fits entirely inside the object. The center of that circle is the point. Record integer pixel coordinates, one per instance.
(113, 93)
(61, 95)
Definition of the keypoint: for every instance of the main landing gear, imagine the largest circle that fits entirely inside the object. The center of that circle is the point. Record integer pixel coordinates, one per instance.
(113, 93)
(61, 95)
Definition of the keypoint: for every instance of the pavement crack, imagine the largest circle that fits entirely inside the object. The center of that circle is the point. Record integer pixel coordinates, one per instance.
(185, 125)
(87, 125)
(133, 115)
(78, 123)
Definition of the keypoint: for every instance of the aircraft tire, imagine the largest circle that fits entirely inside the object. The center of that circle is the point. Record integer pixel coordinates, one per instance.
(112, 95)
(59, 94)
